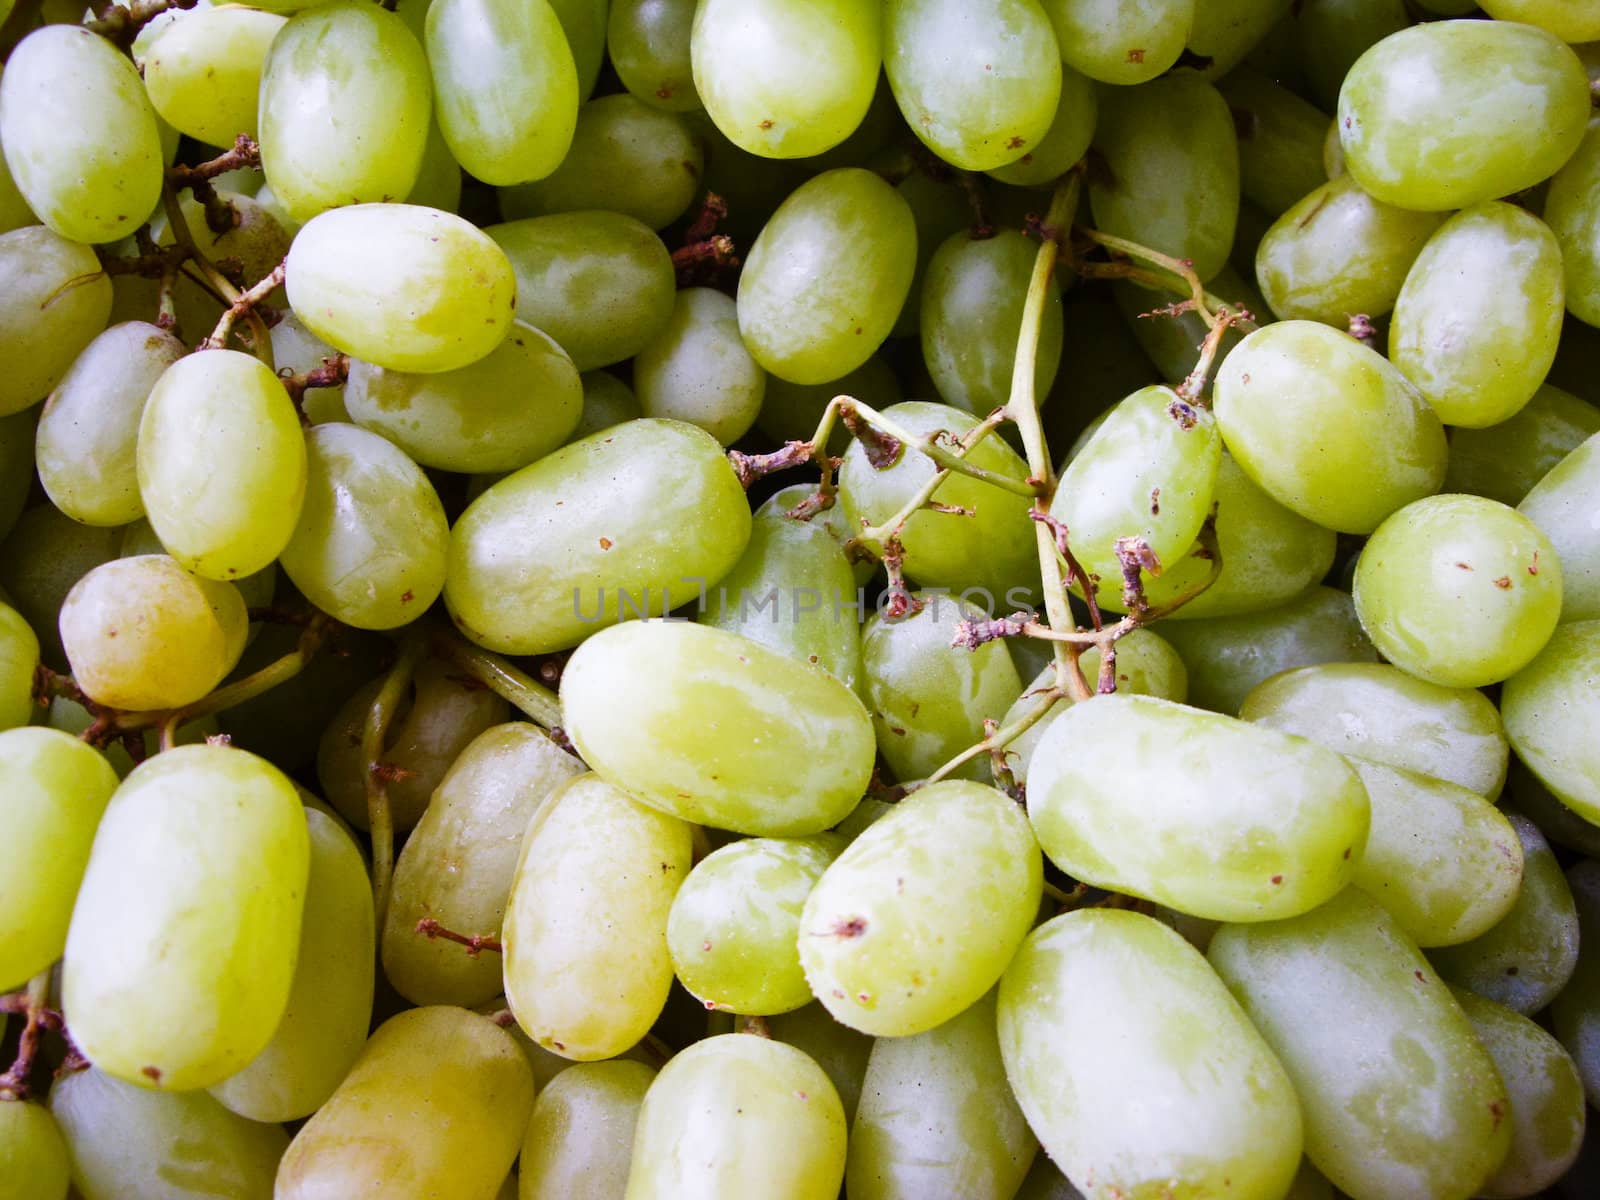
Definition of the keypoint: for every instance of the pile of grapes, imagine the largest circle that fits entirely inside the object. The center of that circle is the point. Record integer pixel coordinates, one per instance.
(786, 599)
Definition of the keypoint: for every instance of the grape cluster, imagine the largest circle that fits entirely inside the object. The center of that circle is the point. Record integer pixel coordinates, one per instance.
(789, 599)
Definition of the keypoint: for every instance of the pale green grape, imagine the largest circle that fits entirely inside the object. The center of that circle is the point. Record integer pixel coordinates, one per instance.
(608, 527)
(1562, 506)
(19, 660)
(1121, 41)
(16, 466)
(1476, 325)
(53, 301)
(1064, 143)
(1281, 140)
(600, 283)
(585, 934)
(607, 401)
(921, 913)
(1550, 708)
(400, 286)
(735, 923)
(256, 590)
(831, 519)
(840, 1051)
(457, 866)
(183, 940)
(1458, 590)
(1575, 1012)
(330, 1000)
(649, 45)
(583, 24)
(786, 80)
(435, 1105)
(203, 70)
(33, 1155)
(1225, 31)
(89, 429)
(438, 182)
(580, 1139)
(1571, 212)
(1105, 1011)
(344, 111)
(698, 370)
(45, 554)
(505, 86)
(1448, 114)
(1505, 461)
(1398, 1096)
(1326, 426)
(55, 789)
(1569, 20)
(232, 522)
(716, 728)
(79, 134)
(1331, 34)
(978, 82)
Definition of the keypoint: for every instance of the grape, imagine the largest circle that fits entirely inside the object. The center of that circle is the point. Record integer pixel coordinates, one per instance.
(1549, 709)
(403, 287)
(89, 430)
(1331, 34)
(580, 1139)
(649, 42)
(1398, 1096)
(40, 561)
(436, 1105)
(1575, 1012)
(330, 1000)
(14, 210)
(1570, 210)
(735, 922)
(438, 182)
(1562, 506)
(203, 70)
(54, 791)
(1115, 41)
(1103, 1010)
(940, 209)
(607, 402)
(80, 136)
(1326, 426)
(786, 80)
(586, 962)
(698, 370)
(1451, 113)
(840, 1051)
(1063, 144)
(1505, 461)
(921, 913)
(19, 661)
(1569, 20)
(182, 946)
(33, 1155)
(344, 112)
(1281, 140)
(1458, 590)
(583, 25)
(228, 523)
(608, 527)
(53, 301)
(458, 864)
(1226, 30)
(505, 86)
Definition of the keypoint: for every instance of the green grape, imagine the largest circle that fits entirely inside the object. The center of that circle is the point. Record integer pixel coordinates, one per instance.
(580, 1139)
(402, 287)
(80, 136)
(1575, 1012)
(1195, 842)
(203, 70)
(1458, 590)
(993, 548)
(649, 45)
(1338, 252)
(1448, 114)
(635, 513)
(1550, 707)
(1562, 506)
(1331, 34)
(978, 82)
(786, 80)
(505, 86)
(726, 732)
(583, 25)
(1569, 20)
(600, 283)
(585, 933)
(1555, 820)
(626, 157)
(344, 112)
(16, 466)
(940, 209)
(222, 524)
(1064, 143)
(126, 1142)
(1547, 1117)
(1327, 427)
(438, 182)
(792, 411)
(19, 662)
(1505, 461)
(53, 301)
(182, 946)
(735, 923)
(14, 210)
(330, 1000)
(1281, 138)
(45, 554)
(53, 790)
(436, 1105)
(831, 519)
(89, 430)
(929, 697)
(840, 1051)
(971, 304)
(1379, 713)
(937, 1117)
(921, 913)
(1531, 953)
(824, 281)
(1477, 323)
(1171, 178)
(1225, 31)
(1571, 214)
(458, 864)
(1103, 1011)
(698, 370)
(1121, 41)
(762, 1118)
(256, 590)
(33, 1155)
(607, 402)
(1228, 656)
(1398, 1096)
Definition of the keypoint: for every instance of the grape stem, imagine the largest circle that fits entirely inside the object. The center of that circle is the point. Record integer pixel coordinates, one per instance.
(220, 215)
(214, 280)
(30, 1003)
(475, 944)
(517, 688)
(245, 304)
(1001, 737)
(121, 25)
(374, 733)
(754, 1025)
(1200, 301)
(332, 373)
